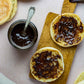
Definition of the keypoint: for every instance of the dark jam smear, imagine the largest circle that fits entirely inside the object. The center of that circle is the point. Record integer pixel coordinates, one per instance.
(44, 65)
(68, 30)
(19, 38)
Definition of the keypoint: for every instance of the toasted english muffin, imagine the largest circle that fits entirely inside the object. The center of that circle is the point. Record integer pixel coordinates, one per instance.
(8, 9)
(14, 2)
(67, 30)
(80, 79)
(47, 64)
(82, 82)
(5, 10)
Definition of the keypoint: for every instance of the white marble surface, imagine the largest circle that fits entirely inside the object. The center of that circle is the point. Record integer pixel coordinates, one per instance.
(15, 63)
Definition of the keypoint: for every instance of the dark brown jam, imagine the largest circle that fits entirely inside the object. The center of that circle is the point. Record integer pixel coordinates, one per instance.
(46, 65)
(22, 39)
(68, 30)
(79, 1)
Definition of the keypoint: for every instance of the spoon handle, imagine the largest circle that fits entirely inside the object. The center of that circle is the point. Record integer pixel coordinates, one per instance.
(30, 14)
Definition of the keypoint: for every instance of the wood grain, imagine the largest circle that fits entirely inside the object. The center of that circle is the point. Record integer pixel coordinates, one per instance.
(68, 53)
(68, 7)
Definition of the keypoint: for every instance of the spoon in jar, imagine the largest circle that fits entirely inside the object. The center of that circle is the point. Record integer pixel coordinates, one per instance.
(30, 15)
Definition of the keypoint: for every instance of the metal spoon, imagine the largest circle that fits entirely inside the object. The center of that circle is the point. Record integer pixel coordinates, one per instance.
(30, 14)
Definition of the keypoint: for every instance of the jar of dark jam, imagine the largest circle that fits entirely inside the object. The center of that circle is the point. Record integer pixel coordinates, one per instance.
(20, 40)
(77, 1)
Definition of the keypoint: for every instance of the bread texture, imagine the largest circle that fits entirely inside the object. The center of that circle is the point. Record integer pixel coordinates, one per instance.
(14, 10)
(7, 10)
(67, 30)
(47, 64)
(80, 79)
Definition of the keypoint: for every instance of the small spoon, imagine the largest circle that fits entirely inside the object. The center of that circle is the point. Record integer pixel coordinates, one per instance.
(30, 15)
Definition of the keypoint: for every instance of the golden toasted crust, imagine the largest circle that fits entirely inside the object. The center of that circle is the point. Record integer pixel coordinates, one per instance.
(5, 10)
(58, 71)
(13, 10)
(53, 33)
(80, 79)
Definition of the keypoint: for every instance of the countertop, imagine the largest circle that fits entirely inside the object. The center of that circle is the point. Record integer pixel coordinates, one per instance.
(15, 63)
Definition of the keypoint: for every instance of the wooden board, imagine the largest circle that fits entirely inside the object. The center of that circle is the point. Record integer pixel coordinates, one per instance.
(46, 41)
(68, 7)
(68, 53)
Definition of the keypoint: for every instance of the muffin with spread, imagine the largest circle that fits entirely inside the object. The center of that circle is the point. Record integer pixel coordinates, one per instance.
(47, 64)
(67, 30)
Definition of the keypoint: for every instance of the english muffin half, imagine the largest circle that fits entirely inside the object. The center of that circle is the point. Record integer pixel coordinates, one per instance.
(80, 79)
(47, 64)
(82, 82)
(67, 30)
(14, 10)
(5, 10)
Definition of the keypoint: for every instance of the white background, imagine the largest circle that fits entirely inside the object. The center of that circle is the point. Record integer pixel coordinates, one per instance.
(15, 63)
